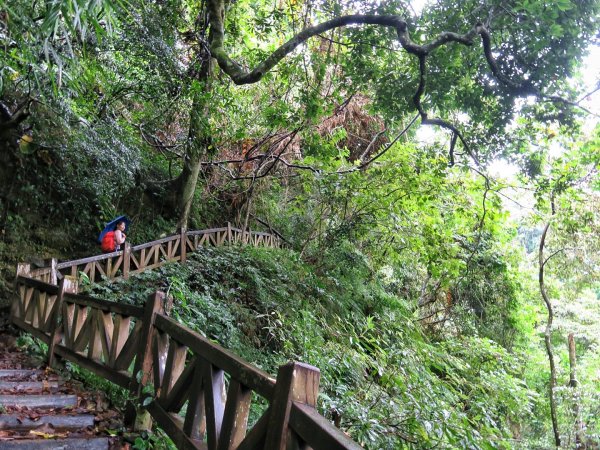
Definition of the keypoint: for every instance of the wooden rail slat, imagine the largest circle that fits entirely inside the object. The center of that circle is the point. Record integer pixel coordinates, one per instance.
(68, 316)
(159, 357)
(214, 404)
(105, 327)
(172, 425)
(195, 418)
(130, 348)
(94, 345)
(119, 337)
(173, 368)
(82, 320)
(255, 439)
(180, 392)
(235, 418)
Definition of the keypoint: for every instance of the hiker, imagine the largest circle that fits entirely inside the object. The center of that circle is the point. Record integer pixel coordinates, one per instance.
(113, 239)
(120, 235)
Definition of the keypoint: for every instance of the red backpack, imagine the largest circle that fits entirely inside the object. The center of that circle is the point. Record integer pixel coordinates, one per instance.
(108, 242)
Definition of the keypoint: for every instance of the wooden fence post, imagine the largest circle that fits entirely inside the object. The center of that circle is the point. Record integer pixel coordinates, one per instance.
(142, 368)
(23, 269)
(53, 271)
(126, 259)
(182, 245)
(296, 382)
(229, 237)
(69, 285)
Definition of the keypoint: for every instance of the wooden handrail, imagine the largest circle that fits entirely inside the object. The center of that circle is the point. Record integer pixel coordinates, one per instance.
(135, 347)
(317, 431)
(105, 305)
(157, 242)
(207, 231)
(32, 282)
(138, 258)
(89, 259)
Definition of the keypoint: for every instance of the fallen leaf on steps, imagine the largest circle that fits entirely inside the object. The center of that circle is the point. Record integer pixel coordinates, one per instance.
(47, 431)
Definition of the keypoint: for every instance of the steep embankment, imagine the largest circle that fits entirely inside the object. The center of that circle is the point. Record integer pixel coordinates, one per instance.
(383, 380)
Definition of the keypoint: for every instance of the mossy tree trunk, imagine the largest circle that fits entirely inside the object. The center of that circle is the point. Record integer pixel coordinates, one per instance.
(199, 141)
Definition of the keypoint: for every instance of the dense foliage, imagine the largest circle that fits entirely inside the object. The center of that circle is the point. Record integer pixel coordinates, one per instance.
(383, 380)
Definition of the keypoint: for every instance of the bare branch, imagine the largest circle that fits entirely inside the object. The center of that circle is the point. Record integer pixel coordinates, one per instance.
(557, 99)
(386, 148)
(553, 254)
(589, 94)
(14, 119)
(371, 144)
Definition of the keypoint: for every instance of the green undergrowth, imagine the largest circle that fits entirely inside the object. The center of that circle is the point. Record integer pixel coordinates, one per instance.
(382, 379)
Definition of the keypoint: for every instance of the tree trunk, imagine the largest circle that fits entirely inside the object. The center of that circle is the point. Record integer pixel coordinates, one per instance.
(573, 383)
(572, 361)
(199, 137)
(187, 187)
(548, 338)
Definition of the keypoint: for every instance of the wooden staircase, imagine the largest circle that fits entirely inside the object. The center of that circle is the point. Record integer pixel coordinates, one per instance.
(41, 410)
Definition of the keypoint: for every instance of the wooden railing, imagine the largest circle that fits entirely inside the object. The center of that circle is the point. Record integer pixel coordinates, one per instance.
(199, 393)
(138, 258)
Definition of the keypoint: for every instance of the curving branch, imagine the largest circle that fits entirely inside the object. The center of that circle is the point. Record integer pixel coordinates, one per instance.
(522, 89)
(425, 120)
(240, 76)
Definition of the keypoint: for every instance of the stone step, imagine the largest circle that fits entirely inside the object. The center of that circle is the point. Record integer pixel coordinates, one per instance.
(39, 401)
(21, 373)
(31, 386)
(19, 422)
(55, 444)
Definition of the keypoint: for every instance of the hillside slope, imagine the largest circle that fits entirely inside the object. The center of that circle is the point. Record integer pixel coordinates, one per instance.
(383, 381)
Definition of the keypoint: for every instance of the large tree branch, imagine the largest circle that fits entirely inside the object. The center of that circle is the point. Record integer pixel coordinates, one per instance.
(240, 76)
(521, 88)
